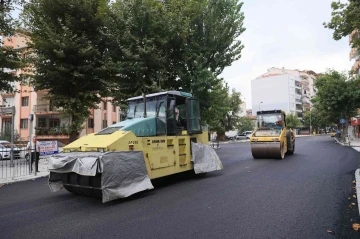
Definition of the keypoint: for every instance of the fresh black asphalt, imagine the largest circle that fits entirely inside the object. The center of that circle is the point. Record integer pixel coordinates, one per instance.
(301, 196)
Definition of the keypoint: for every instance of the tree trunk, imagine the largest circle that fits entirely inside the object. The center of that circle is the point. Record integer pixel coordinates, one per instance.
(73, 135)
(220, 136)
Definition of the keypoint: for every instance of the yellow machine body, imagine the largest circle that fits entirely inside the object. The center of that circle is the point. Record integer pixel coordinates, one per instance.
(159, 127)
(271, 138)
(164, 155)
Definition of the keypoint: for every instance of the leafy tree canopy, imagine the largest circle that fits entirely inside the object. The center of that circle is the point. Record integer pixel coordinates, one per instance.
(338, 96)
(10, 58)
(292, 121)
(344, 18)
(317, 118)
(245, 124)
(173, 45)
(70, 54)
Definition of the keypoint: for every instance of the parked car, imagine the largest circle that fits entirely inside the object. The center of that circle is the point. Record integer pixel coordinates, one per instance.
(244, 135)
(5, 150)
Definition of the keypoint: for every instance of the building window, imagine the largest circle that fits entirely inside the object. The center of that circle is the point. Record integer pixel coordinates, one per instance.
(23, 123)
(298, 91)
(54, 123)
(104, 105)
(25, 101)
(90, 123)
(41, 122)
(104, 124)
(114, 108)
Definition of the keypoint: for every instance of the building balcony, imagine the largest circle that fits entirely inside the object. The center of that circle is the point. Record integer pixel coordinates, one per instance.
(354, 35)
(356, 66)
(46, 109)
(306, 100)
(354, 54)
(52, 132)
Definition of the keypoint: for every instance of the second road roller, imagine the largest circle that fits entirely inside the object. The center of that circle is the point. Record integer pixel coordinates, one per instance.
(272, 139)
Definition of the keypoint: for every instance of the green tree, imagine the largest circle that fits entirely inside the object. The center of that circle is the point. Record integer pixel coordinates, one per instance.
(213, 44)
(174, 45)
(232, 116)
(70, 54)
(317, 118)
(10, 58)
(215, 114)
(345, 19)
(338, 96)
(292, 121)
(245, 124)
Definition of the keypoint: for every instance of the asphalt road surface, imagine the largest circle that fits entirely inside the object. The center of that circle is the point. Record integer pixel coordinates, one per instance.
(302, 196)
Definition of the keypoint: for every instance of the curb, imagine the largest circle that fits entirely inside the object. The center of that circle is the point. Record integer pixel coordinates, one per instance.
(342, 144)
(24, 179)
(357, 179)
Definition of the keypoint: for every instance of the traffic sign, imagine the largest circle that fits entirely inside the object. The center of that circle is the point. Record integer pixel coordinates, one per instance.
(342, 121)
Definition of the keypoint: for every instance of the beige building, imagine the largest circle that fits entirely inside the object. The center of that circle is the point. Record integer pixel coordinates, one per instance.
(354, 52)
(49, 123)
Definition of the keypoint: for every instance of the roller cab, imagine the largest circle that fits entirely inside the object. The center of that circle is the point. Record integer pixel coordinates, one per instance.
(271, 139)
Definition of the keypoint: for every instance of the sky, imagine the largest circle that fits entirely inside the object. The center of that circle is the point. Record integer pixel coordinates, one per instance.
(286, 33)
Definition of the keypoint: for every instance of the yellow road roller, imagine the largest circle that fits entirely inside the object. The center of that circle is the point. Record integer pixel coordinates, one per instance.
(162, 135)
(272, 139)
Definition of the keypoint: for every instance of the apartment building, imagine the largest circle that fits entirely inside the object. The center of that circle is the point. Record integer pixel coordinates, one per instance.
(279, 88)
(49, 123)
(354, 52)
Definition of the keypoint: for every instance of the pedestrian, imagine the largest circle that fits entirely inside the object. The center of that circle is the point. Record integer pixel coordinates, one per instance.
(35, 153)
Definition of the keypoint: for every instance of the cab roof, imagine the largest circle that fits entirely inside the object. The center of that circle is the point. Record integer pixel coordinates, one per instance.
(171, 93)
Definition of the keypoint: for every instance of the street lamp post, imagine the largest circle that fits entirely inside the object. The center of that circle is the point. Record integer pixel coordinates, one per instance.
(310, 121)
(259, 105)
(310, 116)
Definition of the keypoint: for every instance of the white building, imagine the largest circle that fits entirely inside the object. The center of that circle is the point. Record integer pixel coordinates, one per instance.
(242, 109)
(288, 90)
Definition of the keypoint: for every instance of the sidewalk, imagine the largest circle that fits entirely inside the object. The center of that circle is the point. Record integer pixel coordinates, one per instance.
(21, 172)
(354, 143)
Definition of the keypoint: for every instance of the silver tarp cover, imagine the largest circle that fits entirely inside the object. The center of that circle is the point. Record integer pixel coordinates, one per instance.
(83, 163)
(123, 173)
(205, 158)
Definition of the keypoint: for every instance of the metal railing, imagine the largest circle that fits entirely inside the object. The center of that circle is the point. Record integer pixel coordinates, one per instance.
(46, 131)
(14, 162)
(44, 108)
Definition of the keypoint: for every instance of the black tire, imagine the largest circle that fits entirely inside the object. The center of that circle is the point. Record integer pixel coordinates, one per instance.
(291, 151)
(290, 143)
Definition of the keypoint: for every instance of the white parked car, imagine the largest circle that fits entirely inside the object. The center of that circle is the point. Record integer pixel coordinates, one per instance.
(244, 135)
(5, 150)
